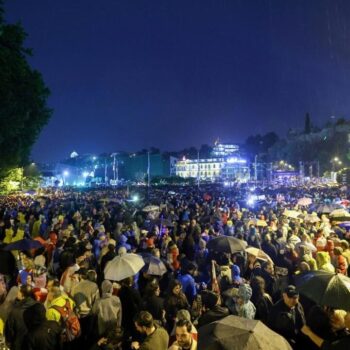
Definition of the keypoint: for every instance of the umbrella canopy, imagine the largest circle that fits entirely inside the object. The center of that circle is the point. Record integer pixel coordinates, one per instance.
(291, 214)
(237, 333)
(312, 218)
(329, 289)
(150, 208)
(154, 266)
(258, 253)
(327, 208)
(123, 266)
(226, 244)
(24, 244)
(304, 201)
(340, 215)
(345, 224)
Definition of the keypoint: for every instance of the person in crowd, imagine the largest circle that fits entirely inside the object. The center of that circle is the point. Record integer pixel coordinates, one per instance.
(212, 310)
(184, 339)
(261, 300)
(15, 327)
(41, 333)
(340, 343)
(175, 301)
(107, 309)
(85, 293)
(287, 316)
(155, 337)
(246, 308)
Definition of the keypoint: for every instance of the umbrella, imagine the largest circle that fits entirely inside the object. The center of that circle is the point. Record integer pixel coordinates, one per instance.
(345, 224)
(312, 218)
(24, 244)
(226, 244)
(154, 266)
(304, 201)
(150, 208)
(329, 289)
(327, 208)
(123, 266)
(259, 223)
(258, 253)
(237, 333)
(340, 215)
(291, 214)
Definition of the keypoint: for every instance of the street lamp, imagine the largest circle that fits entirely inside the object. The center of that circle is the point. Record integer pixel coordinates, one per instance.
(65, 174)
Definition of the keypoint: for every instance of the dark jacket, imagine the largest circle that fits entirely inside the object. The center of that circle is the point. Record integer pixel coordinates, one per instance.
(47, 336)
(42, 334)
(15, 328)
(216, 313)
(285, 321)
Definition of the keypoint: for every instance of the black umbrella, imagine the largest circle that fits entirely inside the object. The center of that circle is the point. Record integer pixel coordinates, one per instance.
(237, 333)
(24, 244)
(330, 289)
(226, 244)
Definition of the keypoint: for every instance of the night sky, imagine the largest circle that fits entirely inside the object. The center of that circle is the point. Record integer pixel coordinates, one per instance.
(131, 74)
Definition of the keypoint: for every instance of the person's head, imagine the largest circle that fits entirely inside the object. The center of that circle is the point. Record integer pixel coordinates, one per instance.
(183, 333)
(268, 267)
(54, 293)
(347, 320)
(25, 291)
(290, 296)
(144, 322)
(209, 299)
(175, 287)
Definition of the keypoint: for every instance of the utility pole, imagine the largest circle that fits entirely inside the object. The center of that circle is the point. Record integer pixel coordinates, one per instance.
(148, 169)
(114, 167)
(256, 169)
(198, 176)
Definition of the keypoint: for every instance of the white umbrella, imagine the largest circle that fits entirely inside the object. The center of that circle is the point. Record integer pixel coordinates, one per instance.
(291, 214)
(312, 218)
(258, 253)
(339, 213)
(123, 266)
(150, 208)
(304, 201)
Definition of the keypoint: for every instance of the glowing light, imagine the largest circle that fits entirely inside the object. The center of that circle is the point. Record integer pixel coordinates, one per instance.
(66, 173)
(135, 198)
(236, 160)
(251, 201)
(85, 173)
(94, 158)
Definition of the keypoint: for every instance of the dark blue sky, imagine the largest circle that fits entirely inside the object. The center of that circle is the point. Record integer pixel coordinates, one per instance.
(127, 74)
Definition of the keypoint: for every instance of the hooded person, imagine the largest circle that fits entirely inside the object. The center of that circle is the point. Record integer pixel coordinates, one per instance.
(324, 262)
(107, 309)
(42, 334)
(245, 307)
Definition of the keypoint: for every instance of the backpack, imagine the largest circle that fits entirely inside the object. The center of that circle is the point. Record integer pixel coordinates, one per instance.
(70, 322)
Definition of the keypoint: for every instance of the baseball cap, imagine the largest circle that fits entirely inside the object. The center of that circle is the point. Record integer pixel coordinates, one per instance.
(291, 291)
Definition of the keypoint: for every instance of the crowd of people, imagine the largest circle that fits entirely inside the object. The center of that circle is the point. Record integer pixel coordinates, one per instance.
(54, 294)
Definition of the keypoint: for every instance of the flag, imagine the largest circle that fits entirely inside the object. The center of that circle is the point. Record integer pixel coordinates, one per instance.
(214, 281)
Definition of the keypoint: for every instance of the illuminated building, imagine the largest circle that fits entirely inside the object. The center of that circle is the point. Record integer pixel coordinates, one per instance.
(214, 169)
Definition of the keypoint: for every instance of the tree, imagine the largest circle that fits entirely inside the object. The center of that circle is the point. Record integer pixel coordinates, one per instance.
(307, 128)
(23, 108)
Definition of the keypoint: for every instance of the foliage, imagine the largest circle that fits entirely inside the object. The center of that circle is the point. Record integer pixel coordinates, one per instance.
(23, 108)
(11, 181)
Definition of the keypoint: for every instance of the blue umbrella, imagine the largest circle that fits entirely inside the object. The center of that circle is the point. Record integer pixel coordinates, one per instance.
(345, 224)
(154, 266)
(24, 244)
